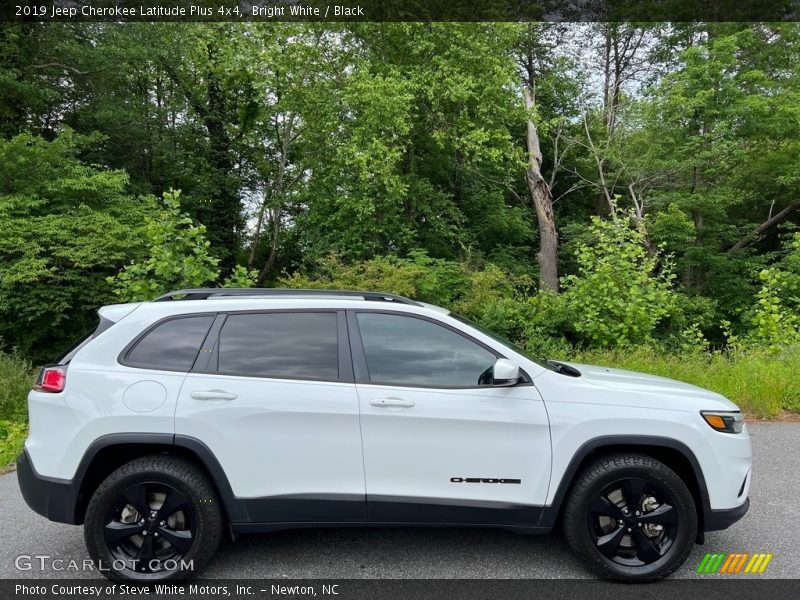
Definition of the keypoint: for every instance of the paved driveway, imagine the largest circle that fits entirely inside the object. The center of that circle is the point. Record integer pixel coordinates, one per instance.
(772, 525)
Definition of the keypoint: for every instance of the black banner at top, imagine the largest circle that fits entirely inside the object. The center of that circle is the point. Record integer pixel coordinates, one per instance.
(399, 10)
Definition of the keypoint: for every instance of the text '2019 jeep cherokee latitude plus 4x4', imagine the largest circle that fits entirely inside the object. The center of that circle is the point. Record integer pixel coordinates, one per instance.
(259, 410)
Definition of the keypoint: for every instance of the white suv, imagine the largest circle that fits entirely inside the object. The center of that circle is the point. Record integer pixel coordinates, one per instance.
(265, 409)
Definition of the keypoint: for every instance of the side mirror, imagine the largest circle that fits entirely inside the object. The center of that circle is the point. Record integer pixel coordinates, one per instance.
(505, 373)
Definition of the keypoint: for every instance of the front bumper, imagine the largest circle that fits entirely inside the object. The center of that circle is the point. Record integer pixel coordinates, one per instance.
(53, 498)
(714, 520)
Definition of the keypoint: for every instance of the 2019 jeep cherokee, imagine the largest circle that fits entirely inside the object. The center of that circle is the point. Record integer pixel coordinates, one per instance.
(265, 409)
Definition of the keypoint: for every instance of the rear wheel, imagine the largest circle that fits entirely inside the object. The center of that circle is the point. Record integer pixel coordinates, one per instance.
(630, 517)
(154, 518)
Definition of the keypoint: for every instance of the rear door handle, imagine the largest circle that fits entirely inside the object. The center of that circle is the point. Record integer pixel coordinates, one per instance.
(213, 395)
(387, 402)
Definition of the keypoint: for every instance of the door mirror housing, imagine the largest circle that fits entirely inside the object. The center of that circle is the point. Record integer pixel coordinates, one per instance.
(505, 373)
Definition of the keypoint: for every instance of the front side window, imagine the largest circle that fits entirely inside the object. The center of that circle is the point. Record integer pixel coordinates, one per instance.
(404, 350)
(172, 345)
(280, 345)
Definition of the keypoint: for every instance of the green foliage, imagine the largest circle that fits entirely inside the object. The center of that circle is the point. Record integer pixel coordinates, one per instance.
(177, 256)
(64, 227)
(392, 157)
(12, 438)
(16, 378)
(775, 318)
(240, 277)
(620, 293)
(424, 278)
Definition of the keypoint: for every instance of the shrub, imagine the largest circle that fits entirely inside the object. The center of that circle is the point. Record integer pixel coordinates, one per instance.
(16, 378)
(177, 256)
(775, 319)
(621, 292)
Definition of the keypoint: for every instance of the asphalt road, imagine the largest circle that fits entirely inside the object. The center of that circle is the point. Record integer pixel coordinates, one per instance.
(772, 525)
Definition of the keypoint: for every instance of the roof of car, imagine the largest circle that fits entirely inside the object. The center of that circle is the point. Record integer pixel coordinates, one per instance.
(282, 293)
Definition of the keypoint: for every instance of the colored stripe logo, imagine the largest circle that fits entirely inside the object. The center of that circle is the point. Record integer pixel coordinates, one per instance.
(731, 564)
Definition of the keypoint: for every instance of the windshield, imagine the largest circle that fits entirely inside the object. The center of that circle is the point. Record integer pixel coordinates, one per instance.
(504, 341)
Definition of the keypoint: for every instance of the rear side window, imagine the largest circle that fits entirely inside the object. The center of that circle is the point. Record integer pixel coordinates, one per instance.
(280, 345)
(172, 345)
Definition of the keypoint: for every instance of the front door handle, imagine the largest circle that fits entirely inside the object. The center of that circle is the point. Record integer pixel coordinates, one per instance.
(213, 395)
(387, 402)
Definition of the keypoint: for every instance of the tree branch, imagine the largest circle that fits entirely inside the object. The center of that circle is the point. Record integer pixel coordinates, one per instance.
(758, 231)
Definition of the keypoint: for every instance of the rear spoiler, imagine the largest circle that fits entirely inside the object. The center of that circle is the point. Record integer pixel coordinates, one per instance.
(115, 312)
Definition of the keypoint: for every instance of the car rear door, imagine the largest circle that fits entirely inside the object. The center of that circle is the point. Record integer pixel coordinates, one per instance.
(273, 398)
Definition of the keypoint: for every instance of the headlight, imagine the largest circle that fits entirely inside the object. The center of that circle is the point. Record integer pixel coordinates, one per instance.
(725, 421)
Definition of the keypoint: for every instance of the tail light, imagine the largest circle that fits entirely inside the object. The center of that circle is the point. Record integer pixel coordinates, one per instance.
(51, 379)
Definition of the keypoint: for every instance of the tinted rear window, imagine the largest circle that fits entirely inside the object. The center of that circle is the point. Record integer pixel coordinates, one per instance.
(172, 345)
(280, 345)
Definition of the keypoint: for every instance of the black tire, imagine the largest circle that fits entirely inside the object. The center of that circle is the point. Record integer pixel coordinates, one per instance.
(182, 517)
(607, 535)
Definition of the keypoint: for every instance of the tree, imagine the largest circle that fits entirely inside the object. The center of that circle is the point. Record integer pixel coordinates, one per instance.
(64, 227)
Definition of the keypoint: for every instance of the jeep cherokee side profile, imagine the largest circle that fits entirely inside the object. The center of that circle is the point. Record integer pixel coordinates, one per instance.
(265, 409)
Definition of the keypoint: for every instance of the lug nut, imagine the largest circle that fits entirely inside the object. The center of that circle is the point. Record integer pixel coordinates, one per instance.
(144, 533)
(629, 529)
(620, 521)
(155, 534)
(161, 524)
(141, 522)
(638, 513)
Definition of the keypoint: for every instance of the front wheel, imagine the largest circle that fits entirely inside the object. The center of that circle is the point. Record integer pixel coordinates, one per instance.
(630, 517)
(154, 518)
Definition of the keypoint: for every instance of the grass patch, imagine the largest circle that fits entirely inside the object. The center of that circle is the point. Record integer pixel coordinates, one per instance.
(16, 376)
(760, 384)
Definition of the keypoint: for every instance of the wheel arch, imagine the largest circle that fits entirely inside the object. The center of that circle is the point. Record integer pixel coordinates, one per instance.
(112, 451)
(673, 453)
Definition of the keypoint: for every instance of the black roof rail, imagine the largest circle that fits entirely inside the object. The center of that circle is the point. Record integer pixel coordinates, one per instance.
(209, 293)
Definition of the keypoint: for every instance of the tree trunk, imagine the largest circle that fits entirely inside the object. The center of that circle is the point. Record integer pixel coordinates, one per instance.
(758, 231)
(273, 250)
(542, 198)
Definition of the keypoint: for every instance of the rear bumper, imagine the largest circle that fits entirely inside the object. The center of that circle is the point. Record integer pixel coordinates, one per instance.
(53, 498)
(714, 520)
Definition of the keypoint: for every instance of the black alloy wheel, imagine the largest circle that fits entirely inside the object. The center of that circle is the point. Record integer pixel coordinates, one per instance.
(633, 521)
(155, 518)
(150, 526)
(630, 517)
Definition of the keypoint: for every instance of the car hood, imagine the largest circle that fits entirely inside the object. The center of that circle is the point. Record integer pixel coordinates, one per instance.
(645, 389)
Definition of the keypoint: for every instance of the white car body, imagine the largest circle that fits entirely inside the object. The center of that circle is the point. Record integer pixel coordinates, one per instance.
(288, 452)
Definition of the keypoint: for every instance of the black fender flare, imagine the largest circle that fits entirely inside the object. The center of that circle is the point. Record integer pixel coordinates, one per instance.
(234, 507)
(550, 513)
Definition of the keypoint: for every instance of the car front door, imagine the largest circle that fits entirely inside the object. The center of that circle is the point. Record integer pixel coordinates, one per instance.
(441, 444)
(272, 397)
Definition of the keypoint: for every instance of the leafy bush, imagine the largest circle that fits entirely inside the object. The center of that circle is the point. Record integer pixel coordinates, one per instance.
(12, 438)
(419, 276)
(621, 292)
(775, 319)
(177, 256)
(16, 377)
(64, 227)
